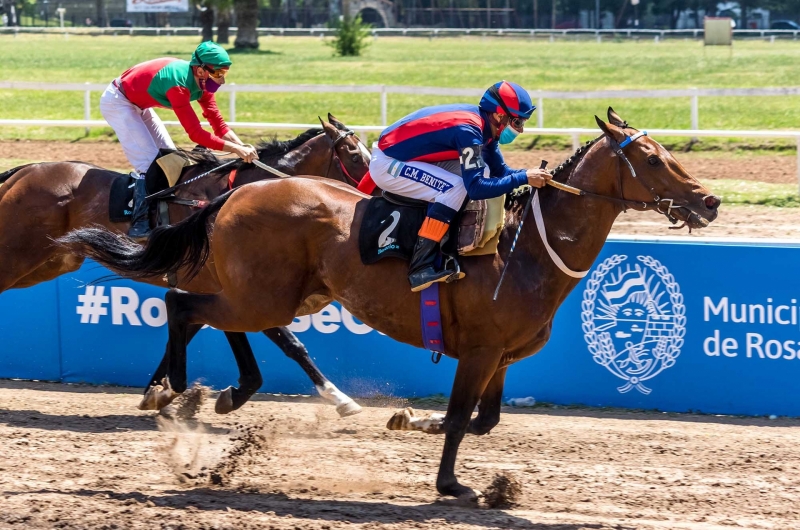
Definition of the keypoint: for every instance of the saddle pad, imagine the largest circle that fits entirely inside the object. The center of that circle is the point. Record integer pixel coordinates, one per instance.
(388, 230)
(120, 201)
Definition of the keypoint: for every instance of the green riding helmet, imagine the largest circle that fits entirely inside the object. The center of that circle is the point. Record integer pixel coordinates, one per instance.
(210, 54)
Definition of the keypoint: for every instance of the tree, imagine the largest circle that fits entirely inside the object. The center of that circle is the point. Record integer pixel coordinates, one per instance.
(350, 38)
(102, 13)
(206, 20)
(223, 22)
(247, 21)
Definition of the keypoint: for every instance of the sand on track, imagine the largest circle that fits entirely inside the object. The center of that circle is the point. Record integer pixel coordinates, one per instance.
(84, 458)
(734, 221)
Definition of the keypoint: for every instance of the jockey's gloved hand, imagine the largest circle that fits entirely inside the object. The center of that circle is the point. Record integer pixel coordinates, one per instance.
(538, 177)
(245, 152)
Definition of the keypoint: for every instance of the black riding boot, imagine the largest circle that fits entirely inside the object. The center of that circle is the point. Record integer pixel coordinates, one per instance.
(422, 271)
(140, 220)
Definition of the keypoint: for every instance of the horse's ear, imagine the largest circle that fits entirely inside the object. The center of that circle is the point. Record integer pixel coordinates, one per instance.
(610, 130)
(615, 119)
(329, 129)
(335, 122)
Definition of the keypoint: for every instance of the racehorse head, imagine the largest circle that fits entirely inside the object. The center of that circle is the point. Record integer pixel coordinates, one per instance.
(349, 156)
(650, 176)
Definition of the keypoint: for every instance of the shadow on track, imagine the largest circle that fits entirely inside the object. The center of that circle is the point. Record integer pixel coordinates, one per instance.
(354, 512)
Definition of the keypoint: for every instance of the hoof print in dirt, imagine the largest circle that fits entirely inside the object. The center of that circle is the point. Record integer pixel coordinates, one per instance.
(504, 492)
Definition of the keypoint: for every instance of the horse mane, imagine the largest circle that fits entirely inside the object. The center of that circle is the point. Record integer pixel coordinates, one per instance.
(206, 159)
(277, 147)
(519, 197)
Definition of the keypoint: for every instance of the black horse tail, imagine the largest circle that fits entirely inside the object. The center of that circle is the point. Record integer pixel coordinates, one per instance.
(184, 245)
(10, 173)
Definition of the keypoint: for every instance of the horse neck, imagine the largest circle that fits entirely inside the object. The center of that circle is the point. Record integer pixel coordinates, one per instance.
(311, 158)
(576, 227)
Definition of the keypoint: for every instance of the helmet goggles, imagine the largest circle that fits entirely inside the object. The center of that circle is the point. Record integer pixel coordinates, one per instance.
(516, 122)
(215, 73)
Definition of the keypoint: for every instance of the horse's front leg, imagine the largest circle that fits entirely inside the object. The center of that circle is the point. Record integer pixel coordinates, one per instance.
(250, 379)
(472, 376)
(296, 351)
(488, 412)
(489, 407)
(160, 393)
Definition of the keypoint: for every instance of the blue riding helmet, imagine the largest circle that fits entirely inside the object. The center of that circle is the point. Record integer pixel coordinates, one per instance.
(509, 98)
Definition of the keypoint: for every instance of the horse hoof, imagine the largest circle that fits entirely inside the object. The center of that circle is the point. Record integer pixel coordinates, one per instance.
(462, 493)
(400, 420)
(351, 408)
(158, 396)
(224, 404)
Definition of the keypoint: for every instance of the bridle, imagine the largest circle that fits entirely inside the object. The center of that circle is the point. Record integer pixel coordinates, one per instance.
(659, 204)
(339, 139)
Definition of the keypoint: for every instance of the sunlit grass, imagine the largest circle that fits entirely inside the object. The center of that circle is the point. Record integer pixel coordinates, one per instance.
(450, 62)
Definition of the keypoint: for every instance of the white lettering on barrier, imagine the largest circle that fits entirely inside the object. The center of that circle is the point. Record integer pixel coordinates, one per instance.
(328, 321)
(739, 313)
(125, 307)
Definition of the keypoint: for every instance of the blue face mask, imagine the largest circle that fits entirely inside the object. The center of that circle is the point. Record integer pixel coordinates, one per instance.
(508, 135)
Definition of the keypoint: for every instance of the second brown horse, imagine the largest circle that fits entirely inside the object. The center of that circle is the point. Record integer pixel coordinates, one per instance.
(42, 202)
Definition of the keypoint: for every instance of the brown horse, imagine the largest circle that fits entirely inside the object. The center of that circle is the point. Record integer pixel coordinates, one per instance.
(308, 255)
(42, 202)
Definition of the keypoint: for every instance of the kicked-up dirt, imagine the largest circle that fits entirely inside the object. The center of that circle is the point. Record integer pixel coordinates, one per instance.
(84, 458)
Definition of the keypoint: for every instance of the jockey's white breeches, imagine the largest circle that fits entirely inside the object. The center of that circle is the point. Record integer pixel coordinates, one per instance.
(141, 132)
(418, 180)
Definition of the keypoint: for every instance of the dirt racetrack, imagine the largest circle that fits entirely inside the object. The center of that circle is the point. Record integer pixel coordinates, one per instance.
(84, 458)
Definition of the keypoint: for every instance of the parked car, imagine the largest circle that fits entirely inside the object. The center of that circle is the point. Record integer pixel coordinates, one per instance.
(785, 24)
(120, 23)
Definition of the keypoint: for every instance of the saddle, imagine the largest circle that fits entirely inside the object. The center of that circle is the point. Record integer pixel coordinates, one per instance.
(391, 223)
(167, 171)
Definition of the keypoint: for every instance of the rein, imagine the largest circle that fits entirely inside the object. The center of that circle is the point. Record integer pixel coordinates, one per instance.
(657, 201)
(346, 173)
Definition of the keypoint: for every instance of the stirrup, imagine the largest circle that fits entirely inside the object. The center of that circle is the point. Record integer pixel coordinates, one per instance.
(457, 274)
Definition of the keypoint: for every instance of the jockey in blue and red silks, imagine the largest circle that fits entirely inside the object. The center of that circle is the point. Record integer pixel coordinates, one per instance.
(448, 154)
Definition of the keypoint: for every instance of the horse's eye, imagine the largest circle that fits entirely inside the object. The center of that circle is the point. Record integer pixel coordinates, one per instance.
(653, 160)
(356, 158)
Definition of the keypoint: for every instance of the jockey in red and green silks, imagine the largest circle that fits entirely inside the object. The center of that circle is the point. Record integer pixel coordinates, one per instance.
(127, 105)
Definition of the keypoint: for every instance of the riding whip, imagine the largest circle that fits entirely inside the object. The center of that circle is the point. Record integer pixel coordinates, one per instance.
(543, 165)
(169, 190)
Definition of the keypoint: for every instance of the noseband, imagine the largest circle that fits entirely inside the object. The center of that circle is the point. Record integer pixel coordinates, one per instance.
(664, 206)
(336, 142)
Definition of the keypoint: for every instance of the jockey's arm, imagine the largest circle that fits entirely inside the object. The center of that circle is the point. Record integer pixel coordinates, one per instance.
(498, 167)
(181, 104)
(473, 165)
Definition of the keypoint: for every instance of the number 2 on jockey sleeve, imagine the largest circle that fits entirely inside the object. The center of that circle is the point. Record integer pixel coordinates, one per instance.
(471, 157)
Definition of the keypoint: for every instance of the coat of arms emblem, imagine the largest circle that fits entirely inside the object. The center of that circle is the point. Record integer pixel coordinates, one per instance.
(634, 319)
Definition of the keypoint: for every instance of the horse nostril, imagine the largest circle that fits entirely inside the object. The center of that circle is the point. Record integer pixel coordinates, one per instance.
(711, 202)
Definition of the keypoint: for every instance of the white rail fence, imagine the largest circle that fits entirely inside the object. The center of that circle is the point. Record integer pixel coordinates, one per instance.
(575, 133)
(577, 33)
(693, 94)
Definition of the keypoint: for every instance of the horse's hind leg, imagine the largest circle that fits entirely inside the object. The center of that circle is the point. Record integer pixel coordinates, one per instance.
(296, 351)
(186, 309)
(250, 379)
(160, 390)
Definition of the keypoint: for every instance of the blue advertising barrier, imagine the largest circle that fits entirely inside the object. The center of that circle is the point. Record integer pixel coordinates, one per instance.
(689, 325)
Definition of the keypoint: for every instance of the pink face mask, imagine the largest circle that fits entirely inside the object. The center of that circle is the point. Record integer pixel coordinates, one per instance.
(212, 86)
